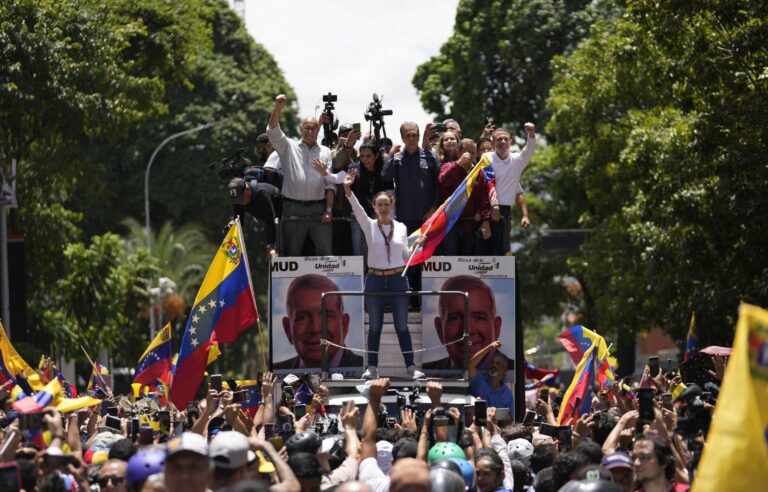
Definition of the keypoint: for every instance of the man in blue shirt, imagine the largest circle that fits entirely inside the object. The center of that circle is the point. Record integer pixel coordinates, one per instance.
(417, 190)
(490, 386)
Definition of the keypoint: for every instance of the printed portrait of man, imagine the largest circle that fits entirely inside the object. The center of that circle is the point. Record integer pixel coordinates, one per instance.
(484, 324)
(303, 329)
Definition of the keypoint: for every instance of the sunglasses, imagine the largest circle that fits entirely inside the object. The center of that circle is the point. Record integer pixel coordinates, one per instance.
(105, 480)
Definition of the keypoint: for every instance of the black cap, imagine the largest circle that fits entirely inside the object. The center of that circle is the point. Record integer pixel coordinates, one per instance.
(236, 189)
(345, 128)
(262, 139)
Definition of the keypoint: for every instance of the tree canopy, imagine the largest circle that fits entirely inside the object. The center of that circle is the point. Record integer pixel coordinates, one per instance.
(88, 89)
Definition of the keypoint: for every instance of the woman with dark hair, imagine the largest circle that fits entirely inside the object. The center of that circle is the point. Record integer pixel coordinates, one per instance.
(388, 251)
(368, 183)
(489, 470)
(463, 238)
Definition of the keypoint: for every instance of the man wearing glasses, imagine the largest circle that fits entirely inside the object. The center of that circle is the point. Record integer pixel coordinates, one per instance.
(307, 199)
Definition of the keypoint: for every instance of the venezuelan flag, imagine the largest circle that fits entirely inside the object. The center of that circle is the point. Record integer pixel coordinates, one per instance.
(578, 397)
(578, 339)
(95, 381)
(49, 395)
(692, 343)
(548, 380)
(155, 362)
(736, 453)
(224, 308)
(438, 225)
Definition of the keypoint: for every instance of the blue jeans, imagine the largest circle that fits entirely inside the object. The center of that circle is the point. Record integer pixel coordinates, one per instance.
(376, 305)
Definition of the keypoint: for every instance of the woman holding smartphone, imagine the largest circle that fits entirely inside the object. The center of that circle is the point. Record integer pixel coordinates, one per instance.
(388, 251)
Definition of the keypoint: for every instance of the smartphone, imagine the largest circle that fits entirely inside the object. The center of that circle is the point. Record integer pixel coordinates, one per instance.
(469, 415)
(232, 384)
(356, 127)
(285, 429)
(502, 414)
(529, 418)
(299, 411)
(164, 419)
(112, 411)
(100, 393)
(135, 427)
(564, 434)
(288, 393)
(31, 421)
(276, 441)
(192, 410)
(10, 476)
(481, 412)
(113, 422)
(269, 431)
(653, 365)
(666, 401)
(441, 128)
(550, 430)
(146, 436)
(544, 394)
(237, 396)
(215, 381)
(645, 404)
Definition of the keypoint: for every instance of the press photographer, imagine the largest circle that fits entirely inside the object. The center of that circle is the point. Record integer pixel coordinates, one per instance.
(255, 190)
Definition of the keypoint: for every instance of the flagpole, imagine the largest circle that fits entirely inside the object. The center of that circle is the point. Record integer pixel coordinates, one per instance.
(94, 367)
(405, 270)
(261, 346)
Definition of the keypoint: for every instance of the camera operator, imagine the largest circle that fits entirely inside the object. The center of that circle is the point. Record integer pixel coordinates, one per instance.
(253, 194)
(305, 193)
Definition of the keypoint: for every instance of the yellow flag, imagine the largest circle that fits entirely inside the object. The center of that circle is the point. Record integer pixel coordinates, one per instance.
(67, 405)
(736, 453)
(13, 364)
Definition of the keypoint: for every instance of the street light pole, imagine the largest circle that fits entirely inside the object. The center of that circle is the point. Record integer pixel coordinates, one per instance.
(152, 322)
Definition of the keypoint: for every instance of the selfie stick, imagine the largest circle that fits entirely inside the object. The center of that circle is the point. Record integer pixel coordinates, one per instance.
(98, 373)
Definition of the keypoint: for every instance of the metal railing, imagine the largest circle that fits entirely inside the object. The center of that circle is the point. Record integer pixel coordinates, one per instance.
(341, 293)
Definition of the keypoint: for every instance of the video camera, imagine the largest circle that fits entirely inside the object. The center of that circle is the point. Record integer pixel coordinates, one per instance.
(329, 128)
(231, 166)
(375, 115)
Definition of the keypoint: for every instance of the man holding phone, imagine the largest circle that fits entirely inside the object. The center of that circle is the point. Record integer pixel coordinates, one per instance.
(490, 387)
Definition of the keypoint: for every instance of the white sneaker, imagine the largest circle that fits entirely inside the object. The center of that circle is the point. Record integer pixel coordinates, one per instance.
(371, 373)
(411, 370)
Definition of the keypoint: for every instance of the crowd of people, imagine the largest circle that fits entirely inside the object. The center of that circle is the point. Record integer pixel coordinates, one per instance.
(296, 441)
(298, 185)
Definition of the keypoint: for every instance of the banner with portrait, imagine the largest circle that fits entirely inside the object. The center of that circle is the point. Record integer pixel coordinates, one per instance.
(297, 284)
(490, 282)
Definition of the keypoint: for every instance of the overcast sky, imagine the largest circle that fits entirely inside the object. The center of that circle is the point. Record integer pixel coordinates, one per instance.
(353, 48)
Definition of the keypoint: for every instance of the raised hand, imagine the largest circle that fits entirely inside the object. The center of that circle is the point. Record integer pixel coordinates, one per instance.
(530, 129)
(280, 101)
(378, 388)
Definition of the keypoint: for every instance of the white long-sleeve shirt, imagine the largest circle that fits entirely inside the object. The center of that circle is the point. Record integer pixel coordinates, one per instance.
(509, 170)
(300, 180)
(377, 249)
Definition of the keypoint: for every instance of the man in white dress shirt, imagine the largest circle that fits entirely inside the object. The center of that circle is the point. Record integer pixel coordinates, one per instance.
(508, 167)
(307, 199)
